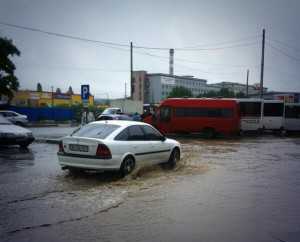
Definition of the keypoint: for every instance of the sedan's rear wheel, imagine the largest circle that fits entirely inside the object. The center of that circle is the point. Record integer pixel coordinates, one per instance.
(127, 166)
(75, 171)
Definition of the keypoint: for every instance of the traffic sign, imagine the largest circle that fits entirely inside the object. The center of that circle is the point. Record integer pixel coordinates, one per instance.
(85, 92)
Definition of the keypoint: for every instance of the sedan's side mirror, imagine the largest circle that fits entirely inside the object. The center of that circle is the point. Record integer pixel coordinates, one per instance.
(163, 138)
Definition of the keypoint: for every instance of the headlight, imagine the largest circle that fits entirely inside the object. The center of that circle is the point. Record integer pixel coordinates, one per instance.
(29, 134)
(7, 135)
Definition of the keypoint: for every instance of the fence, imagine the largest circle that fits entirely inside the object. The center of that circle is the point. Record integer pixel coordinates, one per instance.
(45, 113)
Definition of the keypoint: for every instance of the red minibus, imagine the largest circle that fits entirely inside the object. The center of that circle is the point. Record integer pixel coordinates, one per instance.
(209, 116)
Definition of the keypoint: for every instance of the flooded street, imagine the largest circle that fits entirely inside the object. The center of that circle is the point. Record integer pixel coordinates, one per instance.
(222, 190)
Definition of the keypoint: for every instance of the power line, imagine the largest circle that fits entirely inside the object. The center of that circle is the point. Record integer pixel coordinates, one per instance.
(74, 68)
(283, 52)
(219, 48)
(284, 44)
(64, 35)
(223, 43)
(192, 61)
(116, 45)
(207, 72)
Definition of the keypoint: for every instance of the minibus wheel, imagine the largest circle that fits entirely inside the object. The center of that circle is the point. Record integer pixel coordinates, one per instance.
(209, 133)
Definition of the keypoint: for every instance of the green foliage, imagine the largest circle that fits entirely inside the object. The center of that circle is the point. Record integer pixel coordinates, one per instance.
(39, 87)
(240, 95)
(224, 92)
(8, 81)
(209, 94)
(77, 109)
(180, 92)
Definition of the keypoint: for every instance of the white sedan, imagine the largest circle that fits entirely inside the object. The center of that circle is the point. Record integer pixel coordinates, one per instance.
(116, 145)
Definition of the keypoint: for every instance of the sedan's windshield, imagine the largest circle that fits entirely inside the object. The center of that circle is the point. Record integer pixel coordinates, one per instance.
(96, 130)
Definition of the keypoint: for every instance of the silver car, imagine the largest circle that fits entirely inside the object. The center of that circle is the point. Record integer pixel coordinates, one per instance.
(14, 117)
(11, 134)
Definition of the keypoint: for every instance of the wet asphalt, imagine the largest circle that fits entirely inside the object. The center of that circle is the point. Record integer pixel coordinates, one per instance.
(222, 190)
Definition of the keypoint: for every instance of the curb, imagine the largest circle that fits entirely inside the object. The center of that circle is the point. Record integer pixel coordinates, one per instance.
(49, 141)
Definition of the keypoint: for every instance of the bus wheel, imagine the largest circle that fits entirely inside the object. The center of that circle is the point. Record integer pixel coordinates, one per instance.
(209, 133)
(282, 131)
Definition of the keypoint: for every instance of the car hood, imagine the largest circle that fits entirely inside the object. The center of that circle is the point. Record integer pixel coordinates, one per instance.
(10, 128)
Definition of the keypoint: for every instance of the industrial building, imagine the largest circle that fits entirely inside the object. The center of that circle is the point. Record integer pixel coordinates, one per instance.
(28, 98)
(154, 87)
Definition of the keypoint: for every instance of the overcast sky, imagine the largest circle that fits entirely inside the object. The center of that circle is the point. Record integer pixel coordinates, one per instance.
(211, 24)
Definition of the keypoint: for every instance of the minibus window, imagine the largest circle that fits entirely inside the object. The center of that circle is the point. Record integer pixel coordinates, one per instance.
(273, 109)
(292, 111)
(252, 109)
(165, 114)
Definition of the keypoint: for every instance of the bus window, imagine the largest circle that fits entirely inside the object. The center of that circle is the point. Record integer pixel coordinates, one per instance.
(165, 114)
(292, 111)
(204, 112)
(252, 109)
(273, 109)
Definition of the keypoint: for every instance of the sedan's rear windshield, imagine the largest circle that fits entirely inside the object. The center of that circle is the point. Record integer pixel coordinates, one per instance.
(96, 130)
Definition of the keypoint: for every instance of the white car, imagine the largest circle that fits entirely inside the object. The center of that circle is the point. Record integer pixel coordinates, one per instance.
(11, 134)
(14, 117)
(116, 145)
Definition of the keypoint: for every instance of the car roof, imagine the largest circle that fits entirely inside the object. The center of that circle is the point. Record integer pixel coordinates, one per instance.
(122, 123)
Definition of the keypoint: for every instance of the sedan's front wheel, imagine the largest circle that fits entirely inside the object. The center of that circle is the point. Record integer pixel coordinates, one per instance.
(127, 166)
(174, 158)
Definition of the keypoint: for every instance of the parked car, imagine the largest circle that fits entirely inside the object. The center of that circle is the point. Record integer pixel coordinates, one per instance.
(114, 117)
(112, 111)
(11, 134)
(14, 117)
(116, 145)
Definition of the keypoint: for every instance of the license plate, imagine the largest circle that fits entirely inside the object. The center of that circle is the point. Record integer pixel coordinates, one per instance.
(82, 148)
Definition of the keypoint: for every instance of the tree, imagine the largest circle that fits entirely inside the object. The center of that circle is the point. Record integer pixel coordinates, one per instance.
(225, 92)
(8, 80)
(209, 94)
(70, 91)
(39, 87)
(240, 95)
(180, 92)
(58, 91)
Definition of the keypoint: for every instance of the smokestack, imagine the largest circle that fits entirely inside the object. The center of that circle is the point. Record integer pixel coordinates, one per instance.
(171, 62)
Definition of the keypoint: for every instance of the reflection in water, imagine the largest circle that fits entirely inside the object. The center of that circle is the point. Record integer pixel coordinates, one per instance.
(14, 158)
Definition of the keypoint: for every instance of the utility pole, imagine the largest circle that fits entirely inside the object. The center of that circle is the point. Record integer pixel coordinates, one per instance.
(247, 83)
(125, 90)
(262, 65)
(131, 70)
(52, 98)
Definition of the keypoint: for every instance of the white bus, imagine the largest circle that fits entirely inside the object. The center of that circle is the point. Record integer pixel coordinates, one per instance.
(251, 114)
(292, 117)
(273, 115)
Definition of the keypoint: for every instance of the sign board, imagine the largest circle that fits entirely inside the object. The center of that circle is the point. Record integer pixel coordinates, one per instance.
(85, 93)
(34, 96)
(62, 96)
(168, 80)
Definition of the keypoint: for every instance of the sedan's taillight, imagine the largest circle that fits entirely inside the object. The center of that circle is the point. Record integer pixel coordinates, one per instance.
(60, 147)
(103, 152)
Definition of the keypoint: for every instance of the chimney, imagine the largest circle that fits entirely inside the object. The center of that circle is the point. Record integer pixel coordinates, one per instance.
(171, 62)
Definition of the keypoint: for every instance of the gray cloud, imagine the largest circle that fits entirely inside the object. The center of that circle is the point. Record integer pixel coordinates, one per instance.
(63, 62)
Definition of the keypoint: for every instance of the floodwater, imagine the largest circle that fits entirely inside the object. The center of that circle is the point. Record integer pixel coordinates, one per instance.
(222, 190)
